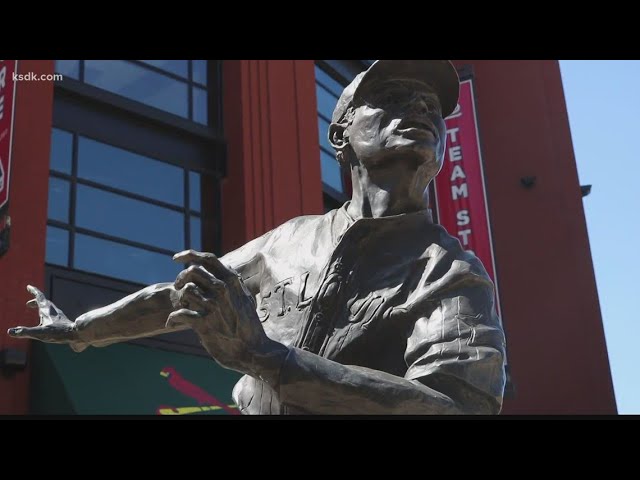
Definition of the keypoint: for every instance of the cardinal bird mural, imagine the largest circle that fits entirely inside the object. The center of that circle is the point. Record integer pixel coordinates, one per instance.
(206, 401)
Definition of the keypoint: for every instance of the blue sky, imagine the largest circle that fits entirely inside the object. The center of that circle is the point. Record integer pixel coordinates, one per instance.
(603, 101)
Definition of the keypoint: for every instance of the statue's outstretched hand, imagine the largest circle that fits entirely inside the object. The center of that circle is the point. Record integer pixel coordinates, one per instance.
(54, 325)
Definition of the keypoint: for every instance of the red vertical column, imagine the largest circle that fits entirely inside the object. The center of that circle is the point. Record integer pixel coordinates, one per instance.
(23, 264)
(273, 162)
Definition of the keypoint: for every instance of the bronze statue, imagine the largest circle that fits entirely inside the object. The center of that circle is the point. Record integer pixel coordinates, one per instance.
(369, 309)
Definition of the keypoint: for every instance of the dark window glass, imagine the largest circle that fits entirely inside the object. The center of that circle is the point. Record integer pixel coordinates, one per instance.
(139, 83)
(124, 217)
(58, 206)
(199, 71)
(196, 233)
(68, 68)
(194, 191)
(57, 249)
(199, 105)
(331, 171)
(323, 134)
(177, 67)
(129, 171)
(122, 261)
(326, 102)
(328, 82)
(61, 150)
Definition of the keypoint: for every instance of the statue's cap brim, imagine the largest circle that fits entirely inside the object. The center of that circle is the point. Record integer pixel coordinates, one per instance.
(441, 75)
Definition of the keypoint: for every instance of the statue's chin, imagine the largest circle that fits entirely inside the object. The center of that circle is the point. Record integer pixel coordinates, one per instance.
(409, 159)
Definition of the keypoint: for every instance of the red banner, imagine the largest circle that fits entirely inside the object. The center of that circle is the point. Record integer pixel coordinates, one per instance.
(461, 199)
(7, 96)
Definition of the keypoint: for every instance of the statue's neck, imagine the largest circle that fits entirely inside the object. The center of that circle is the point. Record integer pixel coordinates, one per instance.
(382, 193)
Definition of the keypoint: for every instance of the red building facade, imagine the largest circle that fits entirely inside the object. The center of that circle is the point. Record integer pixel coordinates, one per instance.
(268, 124)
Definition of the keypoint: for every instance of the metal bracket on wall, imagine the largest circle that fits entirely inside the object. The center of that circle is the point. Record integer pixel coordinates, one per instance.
(528, 182)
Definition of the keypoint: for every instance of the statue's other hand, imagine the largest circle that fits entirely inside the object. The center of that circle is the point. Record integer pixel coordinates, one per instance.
(54, 325)
(213, 300)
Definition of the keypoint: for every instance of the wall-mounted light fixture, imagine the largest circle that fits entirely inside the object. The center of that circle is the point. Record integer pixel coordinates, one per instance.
(528, 182)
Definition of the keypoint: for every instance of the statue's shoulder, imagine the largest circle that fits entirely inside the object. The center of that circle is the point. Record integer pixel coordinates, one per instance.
(306, 223)
(305, 220)
(447, 249)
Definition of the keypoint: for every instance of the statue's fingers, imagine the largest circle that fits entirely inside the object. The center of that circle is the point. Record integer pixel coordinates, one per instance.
(78, 346)
(33, 303)
(54, 313)
(41, 332)
(190, 296)
(201, 277)
(40, 299)
(207, 260)
(184, 316)
(16, 332)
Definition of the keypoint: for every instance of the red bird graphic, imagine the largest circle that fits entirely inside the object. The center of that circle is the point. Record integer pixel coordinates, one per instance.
(189, 389)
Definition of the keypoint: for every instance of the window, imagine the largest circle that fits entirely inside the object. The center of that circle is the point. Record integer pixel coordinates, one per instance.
(175, 86)
(331, 78)
(137, 156)
(118, 213)
(127, 181)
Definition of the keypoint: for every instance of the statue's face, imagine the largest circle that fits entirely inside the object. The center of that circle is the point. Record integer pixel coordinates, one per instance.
(399, 120)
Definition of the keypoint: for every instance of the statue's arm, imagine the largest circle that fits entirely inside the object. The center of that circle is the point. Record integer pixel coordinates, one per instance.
(141, 314)
(455, 359)
(144, 313)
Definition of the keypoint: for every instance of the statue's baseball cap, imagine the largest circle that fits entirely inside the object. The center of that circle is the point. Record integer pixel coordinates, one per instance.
(441, 75)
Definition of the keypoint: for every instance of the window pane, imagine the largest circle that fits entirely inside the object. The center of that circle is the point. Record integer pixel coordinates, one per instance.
(57, 250)
(129, 171)
(58, 208)
(328, 82)
(326, 102)
(331, 171)
(138, 83)
(177, 67)
(68, 68)
(123, 217)
(122, 261)
(61, 151)
(196, 233)
(194, 191)
(199, 105)
(323, 134)
(199, 71)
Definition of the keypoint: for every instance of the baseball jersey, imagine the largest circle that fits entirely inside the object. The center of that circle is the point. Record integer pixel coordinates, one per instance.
(381, 315)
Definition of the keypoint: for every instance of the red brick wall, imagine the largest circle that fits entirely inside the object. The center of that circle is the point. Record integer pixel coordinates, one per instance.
(23, 264)
(551, 313)
(273, 159)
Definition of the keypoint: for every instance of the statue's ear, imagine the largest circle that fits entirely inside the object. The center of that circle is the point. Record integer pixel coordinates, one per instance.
(336, 136)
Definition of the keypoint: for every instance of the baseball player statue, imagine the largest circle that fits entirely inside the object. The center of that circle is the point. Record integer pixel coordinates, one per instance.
(369, 309)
